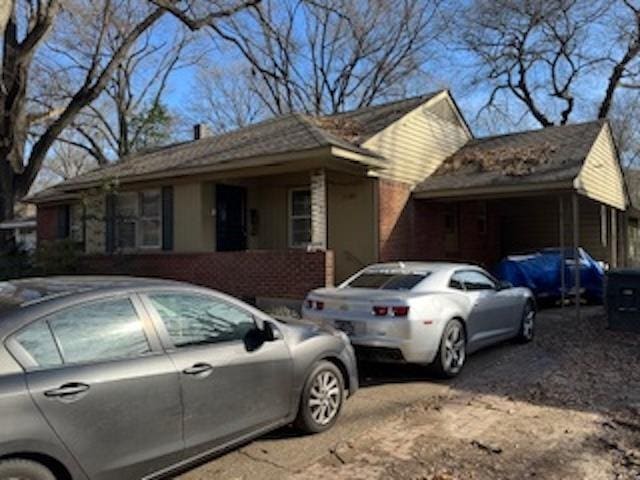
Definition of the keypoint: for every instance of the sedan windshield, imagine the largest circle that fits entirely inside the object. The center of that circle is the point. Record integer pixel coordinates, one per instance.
(387, 281)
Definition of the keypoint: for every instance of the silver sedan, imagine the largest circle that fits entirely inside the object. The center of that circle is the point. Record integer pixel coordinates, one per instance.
(425, 313)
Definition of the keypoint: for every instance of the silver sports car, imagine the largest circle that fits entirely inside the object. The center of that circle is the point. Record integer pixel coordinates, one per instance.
(425, 313)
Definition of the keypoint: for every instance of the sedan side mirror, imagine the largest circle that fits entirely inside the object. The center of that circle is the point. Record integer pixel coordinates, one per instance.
(504, 285)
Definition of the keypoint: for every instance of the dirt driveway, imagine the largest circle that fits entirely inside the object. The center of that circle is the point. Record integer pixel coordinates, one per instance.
(565, 406)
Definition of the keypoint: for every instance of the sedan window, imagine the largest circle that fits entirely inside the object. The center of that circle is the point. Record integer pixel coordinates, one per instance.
(474, 280)
(38, 342)
(99, 331)
(197, 319)
(387, 281)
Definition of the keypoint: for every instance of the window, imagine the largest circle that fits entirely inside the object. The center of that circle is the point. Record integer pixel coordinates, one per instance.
(456, 282)
(387, 281)
(101, 331)
(300, 217)
(37, 341)
(474, 280)
(197, 319)
(139, 223)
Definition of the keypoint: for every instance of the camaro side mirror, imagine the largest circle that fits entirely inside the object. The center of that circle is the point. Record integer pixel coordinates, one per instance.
(504, 285)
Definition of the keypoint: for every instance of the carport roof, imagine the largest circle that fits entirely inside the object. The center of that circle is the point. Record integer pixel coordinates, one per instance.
(551, 155)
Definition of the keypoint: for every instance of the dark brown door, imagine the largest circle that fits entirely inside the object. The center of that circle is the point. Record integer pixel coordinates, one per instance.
(231, 206)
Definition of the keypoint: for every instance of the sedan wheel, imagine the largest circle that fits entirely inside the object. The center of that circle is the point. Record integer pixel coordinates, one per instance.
(322, 398)
(19, 469)
(453, 350)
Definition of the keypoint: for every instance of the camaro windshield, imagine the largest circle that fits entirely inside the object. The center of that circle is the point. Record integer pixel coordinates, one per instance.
(387, 281)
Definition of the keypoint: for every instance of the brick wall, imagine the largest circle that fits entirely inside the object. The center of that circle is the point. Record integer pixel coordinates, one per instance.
(472, 245)
(252, 273)
(395, 220)
(47, 223)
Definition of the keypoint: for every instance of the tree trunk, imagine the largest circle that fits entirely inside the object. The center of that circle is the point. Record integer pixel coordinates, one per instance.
(7, 208)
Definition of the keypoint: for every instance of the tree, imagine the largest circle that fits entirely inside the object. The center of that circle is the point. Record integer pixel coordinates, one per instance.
(325, 56)
(36, 36)
(560, 59)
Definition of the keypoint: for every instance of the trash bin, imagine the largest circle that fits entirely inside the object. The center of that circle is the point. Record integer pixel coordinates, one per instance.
(622, 299)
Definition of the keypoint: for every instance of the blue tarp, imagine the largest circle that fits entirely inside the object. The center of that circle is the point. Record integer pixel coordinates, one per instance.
(541, 272)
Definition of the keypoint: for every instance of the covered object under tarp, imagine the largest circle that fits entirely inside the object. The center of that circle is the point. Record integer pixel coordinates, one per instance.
(542, 272)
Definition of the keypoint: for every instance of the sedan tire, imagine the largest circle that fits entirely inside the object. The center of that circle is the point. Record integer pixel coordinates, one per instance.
(452, 352)
(322, 398)
(24, 470)
(527, 325)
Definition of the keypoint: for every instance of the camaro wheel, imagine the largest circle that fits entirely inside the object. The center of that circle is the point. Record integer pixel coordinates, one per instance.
(453, 350)
(322, 398)
(528, 323)
(19, 469)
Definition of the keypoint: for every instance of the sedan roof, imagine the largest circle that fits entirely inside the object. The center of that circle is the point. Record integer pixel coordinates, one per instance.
(24, 292)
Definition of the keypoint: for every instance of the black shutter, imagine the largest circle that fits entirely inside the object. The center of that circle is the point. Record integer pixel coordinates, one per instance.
(64, 220)
(110, 223)
(167, 218)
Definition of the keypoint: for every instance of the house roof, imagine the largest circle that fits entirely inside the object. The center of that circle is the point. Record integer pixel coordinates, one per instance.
(280, 135)
(632, 178)
(548, 155)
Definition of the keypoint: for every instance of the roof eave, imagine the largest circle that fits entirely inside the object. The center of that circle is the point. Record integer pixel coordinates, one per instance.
(496, 190)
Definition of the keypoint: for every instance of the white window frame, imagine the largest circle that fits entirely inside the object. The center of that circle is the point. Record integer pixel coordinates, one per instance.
(138, 218)
(293, 217)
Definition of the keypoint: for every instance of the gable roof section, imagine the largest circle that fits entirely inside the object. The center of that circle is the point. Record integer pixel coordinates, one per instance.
(544, 156)
(281, 135)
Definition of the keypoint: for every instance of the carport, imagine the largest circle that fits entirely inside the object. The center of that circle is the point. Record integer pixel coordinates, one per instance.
(556, 187)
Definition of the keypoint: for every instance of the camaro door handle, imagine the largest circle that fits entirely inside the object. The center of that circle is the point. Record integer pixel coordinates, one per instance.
(198, 369)
(67, 390)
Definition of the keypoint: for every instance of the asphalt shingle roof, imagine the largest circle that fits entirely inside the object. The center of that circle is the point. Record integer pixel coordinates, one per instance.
(279, 135)
(550, 154)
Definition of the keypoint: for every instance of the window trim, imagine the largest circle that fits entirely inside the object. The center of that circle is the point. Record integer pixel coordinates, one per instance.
(161, 329)
(291, 217)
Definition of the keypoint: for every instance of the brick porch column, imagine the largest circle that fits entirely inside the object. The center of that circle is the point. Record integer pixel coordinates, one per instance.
(319, 209)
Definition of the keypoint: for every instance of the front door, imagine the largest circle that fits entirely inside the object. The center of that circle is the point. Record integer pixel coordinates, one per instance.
(112, 399)
(230, 387)
(231, 224)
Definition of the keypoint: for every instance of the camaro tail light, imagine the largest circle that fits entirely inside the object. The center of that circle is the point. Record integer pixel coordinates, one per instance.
(380, 311)
(309, 304)
(401, 311)
(319, 305)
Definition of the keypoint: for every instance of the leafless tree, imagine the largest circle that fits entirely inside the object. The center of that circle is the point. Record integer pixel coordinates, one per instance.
(64, 162)
(559, 58)
(224, 99)
(33, 35)
(324, 56)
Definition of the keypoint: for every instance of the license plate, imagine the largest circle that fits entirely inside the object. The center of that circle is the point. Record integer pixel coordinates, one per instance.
(346, 327)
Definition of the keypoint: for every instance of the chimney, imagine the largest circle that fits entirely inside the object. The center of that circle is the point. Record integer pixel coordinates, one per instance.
(200, 130)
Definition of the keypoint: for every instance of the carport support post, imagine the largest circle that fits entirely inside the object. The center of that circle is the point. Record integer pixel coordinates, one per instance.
(563, 280)
(576, 247)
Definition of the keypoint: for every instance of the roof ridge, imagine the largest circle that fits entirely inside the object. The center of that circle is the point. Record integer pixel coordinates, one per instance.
(425, 96)
(479, 140)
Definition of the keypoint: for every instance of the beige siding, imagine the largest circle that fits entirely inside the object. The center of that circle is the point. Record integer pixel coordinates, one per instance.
(351, 222)
(193, 223)
(416, 144)
(600, 177)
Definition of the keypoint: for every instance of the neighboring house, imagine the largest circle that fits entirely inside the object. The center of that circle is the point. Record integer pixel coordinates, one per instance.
(23, 230)
(632, 218)
(295, 202)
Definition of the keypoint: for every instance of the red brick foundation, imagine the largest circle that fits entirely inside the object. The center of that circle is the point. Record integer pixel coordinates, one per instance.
(252, 273)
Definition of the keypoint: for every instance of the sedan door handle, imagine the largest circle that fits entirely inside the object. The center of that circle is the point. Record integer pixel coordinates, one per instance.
(198, 369)
(67, 390)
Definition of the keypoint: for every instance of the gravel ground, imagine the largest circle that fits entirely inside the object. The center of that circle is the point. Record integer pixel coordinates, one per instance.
(565, 406)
